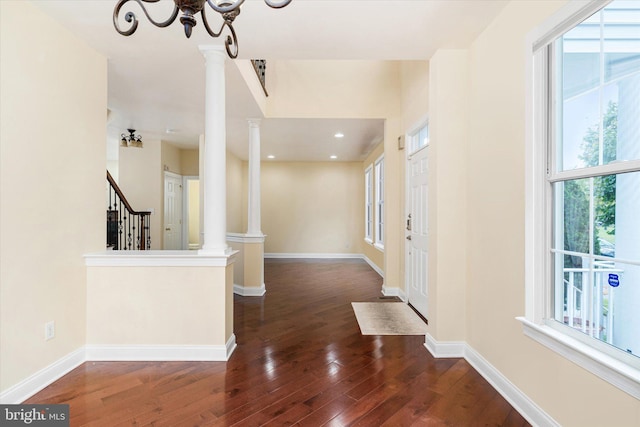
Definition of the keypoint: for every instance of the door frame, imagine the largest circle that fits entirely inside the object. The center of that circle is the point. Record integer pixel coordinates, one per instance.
(410, 133)
(164, 203)
(185, 208)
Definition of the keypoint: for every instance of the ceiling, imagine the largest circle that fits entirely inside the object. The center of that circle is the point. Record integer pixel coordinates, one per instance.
(156, 76)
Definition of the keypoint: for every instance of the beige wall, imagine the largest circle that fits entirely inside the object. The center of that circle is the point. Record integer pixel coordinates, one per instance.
(170, 158)
(179, 160)
(447, 210)
(236, 195)
(193, 216)
(331, 89)
(142, 183)
(165, 306)
(313, 207)
(354, 89)
(52, 207)
(414, 86)
(495, 242)
(189, 162)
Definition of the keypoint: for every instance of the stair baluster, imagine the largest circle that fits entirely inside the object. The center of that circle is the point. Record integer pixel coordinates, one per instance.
(127, 229)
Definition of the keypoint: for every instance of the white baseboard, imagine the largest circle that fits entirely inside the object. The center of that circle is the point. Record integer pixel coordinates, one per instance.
(444, 349)
(148, 353)
(312, 255)
(36, 382)
(249, 291)
(372, 265)
(512, 394)
(394, 292)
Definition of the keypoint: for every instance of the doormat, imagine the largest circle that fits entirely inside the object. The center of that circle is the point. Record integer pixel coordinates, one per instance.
(388, 318)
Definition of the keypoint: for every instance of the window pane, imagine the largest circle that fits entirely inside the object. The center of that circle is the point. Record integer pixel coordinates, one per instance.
(597, 258)
(423, 137)
(599, 88)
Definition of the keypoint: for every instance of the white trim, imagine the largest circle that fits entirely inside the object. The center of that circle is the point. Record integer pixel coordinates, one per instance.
(41, 379)
(46, 376)
(311, 255)
(249, 291)
(157, 259)
(373, 266)
(444, 349)
(538, 204)
(379, 196)
(567, 17)
(512, 394)
(245, 238)
(618, 167)
(394, 292)
(368, 204)
(158, 353)
(610, 369)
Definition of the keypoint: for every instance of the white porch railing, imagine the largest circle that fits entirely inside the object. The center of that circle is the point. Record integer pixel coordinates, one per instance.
(589, 299)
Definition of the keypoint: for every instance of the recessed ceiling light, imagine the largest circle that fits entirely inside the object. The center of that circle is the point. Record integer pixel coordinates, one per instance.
(339, 135)
(334, 157)
(271, 156)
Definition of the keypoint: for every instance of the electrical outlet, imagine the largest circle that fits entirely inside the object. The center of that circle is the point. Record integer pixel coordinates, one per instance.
(49, 330)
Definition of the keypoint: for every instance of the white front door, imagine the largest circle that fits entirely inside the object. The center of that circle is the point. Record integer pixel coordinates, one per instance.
(417, 227)
(172, 211)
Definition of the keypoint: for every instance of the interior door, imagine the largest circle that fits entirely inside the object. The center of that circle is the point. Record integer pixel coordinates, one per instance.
(417, 231)
(172, 211)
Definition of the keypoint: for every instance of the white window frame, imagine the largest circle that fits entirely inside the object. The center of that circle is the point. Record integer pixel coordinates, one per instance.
(378, 168)
(617, 369)
(414, 137)
(368, 204)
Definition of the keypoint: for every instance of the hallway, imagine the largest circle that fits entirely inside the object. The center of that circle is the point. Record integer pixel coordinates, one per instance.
(300, 360)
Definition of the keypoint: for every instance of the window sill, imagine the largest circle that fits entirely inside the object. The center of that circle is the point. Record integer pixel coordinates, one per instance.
(369, 241)
(379, 246)
(617, 373)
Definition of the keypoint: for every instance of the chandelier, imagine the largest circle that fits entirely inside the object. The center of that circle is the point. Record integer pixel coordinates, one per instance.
(131, 140)
(227, 9)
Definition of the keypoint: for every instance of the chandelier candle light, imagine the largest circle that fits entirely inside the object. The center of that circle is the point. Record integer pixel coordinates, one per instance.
(227, 9)
(131, 140)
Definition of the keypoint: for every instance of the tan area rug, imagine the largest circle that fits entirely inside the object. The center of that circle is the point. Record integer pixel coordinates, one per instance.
(388, 318)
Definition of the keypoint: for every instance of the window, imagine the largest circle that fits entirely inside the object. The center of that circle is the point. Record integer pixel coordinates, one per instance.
(368, 204)
(419, 139)
(583, 256)
(379, 220)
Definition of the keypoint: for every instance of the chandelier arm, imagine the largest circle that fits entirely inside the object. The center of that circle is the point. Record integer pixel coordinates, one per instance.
(131, 17)
(224, 9)
(208, 28)
(231, 44)
(275, 5)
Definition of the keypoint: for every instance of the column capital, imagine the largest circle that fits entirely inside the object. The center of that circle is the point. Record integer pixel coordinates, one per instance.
(212, 50)
(254, 122)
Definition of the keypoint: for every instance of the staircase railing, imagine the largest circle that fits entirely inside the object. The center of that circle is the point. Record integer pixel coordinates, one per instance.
(260, 67)
(127, 229)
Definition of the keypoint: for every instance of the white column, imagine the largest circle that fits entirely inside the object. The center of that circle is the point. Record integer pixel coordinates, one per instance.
(215, 186)
(253, 226)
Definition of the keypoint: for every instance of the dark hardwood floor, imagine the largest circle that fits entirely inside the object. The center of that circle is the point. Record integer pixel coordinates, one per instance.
(301, 360)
